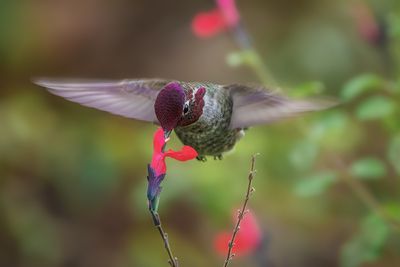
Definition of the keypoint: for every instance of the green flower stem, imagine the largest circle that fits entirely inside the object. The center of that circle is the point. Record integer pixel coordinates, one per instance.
(261, 69)
(251, 57)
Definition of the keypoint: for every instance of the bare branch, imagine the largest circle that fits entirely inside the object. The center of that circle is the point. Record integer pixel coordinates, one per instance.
(242, 211)
(173, 261)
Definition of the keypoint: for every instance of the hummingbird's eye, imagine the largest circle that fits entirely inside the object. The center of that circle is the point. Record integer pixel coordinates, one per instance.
(185, 109)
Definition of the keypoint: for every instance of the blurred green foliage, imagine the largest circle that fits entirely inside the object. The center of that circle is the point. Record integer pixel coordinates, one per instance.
(73, 179)
(368, 168)
(367, 243)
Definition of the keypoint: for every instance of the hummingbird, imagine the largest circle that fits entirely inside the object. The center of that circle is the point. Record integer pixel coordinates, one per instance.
(209, 117)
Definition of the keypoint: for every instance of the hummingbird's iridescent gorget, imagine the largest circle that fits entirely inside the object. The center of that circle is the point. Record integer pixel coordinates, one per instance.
(210, 134)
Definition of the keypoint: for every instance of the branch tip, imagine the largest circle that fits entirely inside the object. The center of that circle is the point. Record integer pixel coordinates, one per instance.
(242, 211)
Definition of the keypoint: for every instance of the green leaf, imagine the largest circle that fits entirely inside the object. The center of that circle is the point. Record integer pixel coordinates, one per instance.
(332, 123)
(316, 184)
(368, 168)
(308, 89)
(376, 107)
(360, 85)
(394, 25)
(392, 210)
(366, 244)
(393, 153)
(235, 59)
(304, 154)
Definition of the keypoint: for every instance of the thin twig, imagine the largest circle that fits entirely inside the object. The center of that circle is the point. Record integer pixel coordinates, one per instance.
(244, 41)
(173, 261)
(366, 197)
(369, 200)
(242, 211)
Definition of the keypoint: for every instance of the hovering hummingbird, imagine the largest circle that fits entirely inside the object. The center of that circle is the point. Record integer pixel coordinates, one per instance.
(209, 117)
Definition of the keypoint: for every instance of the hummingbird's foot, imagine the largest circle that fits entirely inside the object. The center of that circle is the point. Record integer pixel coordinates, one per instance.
(201, 158)
(220, 157)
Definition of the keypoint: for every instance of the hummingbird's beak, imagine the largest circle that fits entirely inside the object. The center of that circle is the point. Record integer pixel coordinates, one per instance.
(167, 134)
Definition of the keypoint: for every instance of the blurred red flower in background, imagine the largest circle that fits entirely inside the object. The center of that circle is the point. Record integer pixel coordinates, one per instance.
(366, 22)
(247, 239)
(209, 23)
(369, 24)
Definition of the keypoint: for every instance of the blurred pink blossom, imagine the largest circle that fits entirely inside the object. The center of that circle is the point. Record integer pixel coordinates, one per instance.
(209, 23)
(247, 239)
(366, 22)
(230, 12)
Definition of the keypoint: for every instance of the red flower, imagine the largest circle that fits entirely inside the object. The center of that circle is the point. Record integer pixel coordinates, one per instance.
(157, 169)
(366, 23)
(229, 11)
(209, 23)
(158, 160)
(247, 239)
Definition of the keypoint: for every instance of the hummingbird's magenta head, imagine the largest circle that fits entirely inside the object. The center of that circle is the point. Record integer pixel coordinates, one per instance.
(169, 105)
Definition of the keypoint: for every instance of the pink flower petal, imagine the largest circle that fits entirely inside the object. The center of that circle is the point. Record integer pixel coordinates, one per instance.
(158, 159)
(366, 22)
(221, 243)
(158, 140)
(157, 168)
(158, 164)
(250, 232)
(247, 239)
(186, 153)
(230, 12)
(208, 24)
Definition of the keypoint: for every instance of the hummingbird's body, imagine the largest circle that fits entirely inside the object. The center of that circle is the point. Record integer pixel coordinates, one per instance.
(206, 116)
(210, 134)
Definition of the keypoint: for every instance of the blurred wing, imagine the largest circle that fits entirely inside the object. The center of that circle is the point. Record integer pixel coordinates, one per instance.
(129, 98)
(260, 106)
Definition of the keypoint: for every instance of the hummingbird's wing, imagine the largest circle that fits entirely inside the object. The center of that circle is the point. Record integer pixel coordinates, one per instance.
(252, 106)
(129, 98)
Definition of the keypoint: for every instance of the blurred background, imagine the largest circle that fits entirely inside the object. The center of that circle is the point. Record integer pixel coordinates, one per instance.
(73, 179)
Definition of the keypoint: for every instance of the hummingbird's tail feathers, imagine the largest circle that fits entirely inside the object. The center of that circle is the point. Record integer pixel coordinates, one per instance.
(255, 107)
(129, 98)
